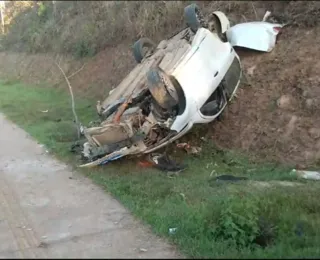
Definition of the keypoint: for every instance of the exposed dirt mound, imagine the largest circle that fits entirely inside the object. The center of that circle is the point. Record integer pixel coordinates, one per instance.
(276, 117)
(95, 78)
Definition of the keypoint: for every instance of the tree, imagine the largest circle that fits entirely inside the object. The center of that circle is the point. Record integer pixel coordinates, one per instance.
(2, 10)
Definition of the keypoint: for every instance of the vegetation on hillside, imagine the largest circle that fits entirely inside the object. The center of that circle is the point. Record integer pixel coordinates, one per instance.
(83, 28)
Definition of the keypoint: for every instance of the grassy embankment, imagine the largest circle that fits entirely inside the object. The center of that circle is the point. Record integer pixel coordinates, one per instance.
(213, 219)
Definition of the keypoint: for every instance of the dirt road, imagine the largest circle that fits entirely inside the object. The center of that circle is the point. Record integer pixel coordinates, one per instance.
(45, 213)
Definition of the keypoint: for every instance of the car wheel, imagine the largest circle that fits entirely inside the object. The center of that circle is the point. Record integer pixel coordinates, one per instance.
(158, 89)
(193, 17)
(141, 48)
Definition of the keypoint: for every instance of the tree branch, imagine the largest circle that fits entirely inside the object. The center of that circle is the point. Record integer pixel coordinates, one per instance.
(74, 73)
(72, 99)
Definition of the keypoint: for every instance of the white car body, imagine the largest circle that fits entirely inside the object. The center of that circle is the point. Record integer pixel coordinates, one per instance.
(208, 56)
(204, 62)
(204, 65)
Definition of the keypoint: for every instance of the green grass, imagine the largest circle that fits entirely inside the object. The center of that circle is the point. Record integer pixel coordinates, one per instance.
(212, 219)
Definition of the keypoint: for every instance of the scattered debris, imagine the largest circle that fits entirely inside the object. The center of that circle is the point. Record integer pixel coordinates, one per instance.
(172, 231)
(308, 175)
(145, 164)
(161, 162)
(164, 163)
(189, 149)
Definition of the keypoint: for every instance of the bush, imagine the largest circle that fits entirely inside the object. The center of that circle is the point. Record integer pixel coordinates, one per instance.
(239, 221)
(83, 49)
(86, 27)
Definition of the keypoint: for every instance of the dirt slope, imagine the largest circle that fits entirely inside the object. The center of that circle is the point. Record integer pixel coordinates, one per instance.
(95, 79)
(276, 117)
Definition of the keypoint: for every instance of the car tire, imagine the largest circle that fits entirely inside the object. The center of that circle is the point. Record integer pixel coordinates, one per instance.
(141, 48)
(158, 90)
(193, 17)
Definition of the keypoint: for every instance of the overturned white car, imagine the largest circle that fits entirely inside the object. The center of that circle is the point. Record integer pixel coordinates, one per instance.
(185, 80)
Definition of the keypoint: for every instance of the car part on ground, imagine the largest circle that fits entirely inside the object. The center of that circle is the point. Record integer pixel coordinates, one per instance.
(308, 175)
(260, 36)
(189, 148)
(164, 163)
